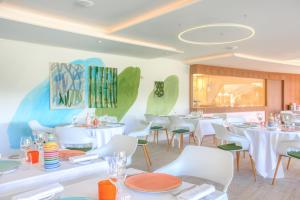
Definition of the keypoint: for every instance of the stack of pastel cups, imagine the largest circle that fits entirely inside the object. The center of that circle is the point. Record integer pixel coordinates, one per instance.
(51, 156)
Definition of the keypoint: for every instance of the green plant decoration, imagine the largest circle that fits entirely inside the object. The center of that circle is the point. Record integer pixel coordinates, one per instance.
(128, 86)
(159, 88)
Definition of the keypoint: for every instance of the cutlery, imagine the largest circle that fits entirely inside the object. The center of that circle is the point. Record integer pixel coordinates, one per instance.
(183, 190)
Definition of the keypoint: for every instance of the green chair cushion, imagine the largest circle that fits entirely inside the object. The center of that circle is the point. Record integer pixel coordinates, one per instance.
(181, 131)
(230, 147)
(142, 142)
(156, 127)
(85, 149)
(295, 154)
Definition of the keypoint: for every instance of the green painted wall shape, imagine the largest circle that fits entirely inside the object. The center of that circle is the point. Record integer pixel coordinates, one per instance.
(128, 86)
(163, 105)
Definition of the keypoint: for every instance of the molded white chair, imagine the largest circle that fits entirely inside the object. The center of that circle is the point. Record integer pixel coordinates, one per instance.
(36, 127)
(142, 136)
(118, 143)
(237, 143)
(159, 123)
(203, 162)
(287, 148)
(180, 126)
(74, 138)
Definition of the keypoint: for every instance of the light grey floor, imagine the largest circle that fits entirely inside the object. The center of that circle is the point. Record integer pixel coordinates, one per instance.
(243, 185)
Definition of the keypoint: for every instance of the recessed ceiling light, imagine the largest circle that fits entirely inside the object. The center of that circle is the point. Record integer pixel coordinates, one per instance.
(99, 41)
(232, 47)
(222, 25)
(85, 3)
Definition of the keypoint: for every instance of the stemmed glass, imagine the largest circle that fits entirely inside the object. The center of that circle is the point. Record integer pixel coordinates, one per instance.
(259, 117)
(117, 173)
(39, 139)
(25, 145)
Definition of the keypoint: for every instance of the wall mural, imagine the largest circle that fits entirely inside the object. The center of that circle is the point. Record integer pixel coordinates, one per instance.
(103, 87)
(66, 86)
(164, 104)
(128, 85)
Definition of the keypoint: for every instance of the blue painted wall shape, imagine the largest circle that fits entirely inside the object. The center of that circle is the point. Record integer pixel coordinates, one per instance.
(36, 105)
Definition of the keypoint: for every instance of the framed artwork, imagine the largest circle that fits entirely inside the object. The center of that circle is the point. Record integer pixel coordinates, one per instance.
(103, 83)
(67, 85)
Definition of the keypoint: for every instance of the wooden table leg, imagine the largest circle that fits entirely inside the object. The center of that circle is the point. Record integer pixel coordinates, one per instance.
(238, 160)
(253, 167)
(276, 170)
(147, 157)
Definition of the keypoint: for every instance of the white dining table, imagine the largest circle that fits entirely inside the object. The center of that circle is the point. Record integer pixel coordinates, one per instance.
(203, 126)
(263, 146)
(102, 134)
(28, 177)
(89, 188)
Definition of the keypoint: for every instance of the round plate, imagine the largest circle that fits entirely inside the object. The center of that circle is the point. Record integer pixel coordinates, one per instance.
(8, 165)
(153, 182)
(66, 154)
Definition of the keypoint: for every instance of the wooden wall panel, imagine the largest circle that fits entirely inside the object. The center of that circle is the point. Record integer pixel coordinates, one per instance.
(291, 84)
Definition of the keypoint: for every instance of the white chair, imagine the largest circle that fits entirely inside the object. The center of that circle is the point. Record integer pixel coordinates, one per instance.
(37, 128)
(118, 143)
(159, 123)
(180, 126)
(75, 138)
(287, 148)
(203, 162)
(109, 119)
(237, 144)
(142, 136)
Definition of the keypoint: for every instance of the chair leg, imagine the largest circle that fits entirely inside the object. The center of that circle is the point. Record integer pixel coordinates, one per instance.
(148, 161)
(289, 162)
(238, 161)
(215, 140)
(154, 134)
(171, 142)
(190, 135)
(244, 154)
(276, 170)
(181, 142)
(167, 135)
(253, 167)
(194, 138)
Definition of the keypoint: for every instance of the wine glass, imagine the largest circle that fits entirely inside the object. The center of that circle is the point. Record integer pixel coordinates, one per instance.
(259, 116)
(25, 145)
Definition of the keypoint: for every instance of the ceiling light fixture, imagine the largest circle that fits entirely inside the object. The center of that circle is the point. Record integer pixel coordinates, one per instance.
(85, 3)
(222, 25)
(99, 41)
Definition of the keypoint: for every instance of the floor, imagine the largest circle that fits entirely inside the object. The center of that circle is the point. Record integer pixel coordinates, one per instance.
(243, 185)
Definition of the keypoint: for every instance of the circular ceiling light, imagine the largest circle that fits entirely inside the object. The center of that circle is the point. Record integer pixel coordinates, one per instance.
(250, 30)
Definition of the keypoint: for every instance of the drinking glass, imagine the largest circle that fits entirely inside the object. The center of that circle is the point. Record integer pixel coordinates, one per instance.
(25, 145)
(39, 139)
(259, 117)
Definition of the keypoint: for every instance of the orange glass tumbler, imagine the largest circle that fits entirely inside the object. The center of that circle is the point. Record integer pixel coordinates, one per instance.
(106, 190)
(33, 156)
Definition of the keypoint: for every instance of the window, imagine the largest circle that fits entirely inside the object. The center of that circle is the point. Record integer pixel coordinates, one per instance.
(227, 91)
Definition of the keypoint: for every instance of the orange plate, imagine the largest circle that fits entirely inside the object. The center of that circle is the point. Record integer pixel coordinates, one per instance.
(153, 182)
(66, 154)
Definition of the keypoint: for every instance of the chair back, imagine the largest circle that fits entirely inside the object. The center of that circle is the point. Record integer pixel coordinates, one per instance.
(119, 143)
(177, 122)
(72, 136)
(36, 127)
(220, 130)
(203, 162)
(143, 132)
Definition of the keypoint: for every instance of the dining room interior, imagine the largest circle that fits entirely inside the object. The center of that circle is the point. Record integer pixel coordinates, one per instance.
(141, 99)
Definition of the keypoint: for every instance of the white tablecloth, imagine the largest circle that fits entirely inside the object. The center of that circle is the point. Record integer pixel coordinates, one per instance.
(30, 177)
(89, 188)
(102, 134)
(203, 126)
(263, 145)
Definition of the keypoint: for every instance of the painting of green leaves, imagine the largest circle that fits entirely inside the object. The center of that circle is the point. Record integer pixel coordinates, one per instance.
(103, 82)
(66, 86)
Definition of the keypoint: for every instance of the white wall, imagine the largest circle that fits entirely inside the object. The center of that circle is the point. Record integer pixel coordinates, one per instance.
(25, 65)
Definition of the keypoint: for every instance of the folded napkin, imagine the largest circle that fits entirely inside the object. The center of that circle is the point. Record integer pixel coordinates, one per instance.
(77, 159)
(197, 192)
(41, 193)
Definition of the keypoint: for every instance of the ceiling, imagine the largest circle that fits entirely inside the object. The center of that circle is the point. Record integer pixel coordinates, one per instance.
(150, 28)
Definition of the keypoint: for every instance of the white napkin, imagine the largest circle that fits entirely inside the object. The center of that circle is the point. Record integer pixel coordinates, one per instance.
(77, 159)
(41, 193)
(197, 192)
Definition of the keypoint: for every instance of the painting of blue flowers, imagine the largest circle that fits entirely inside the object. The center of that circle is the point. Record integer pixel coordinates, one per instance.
(67, 86)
